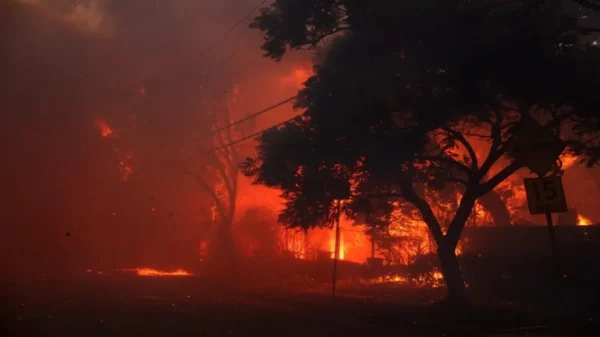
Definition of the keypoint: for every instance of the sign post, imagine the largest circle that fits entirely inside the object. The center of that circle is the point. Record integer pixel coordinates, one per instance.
(546, 195)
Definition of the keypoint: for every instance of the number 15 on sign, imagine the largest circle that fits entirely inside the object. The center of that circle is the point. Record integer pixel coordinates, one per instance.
(545, 195)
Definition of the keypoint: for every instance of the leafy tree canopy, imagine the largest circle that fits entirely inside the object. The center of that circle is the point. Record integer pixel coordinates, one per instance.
(407, 69)
(404, 92)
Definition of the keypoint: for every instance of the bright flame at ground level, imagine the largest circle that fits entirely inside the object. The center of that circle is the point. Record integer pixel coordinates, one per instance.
(156, 272)
(583, 221)
(433, 279)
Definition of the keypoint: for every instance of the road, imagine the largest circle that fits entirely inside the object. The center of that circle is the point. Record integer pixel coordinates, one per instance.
(135, 307)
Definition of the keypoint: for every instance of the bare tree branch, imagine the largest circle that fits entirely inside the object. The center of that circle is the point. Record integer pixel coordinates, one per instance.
(498, 178)
(447, 160)
(461, 138)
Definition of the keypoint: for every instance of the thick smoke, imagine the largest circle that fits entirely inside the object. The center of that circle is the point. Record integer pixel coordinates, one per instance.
(146, 69)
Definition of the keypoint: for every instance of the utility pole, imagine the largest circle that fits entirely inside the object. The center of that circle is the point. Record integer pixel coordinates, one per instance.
(336, 254)
(372, 247)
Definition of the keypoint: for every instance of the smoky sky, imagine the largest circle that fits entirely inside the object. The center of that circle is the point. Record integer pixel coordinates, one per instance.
(147, 68)
(144, 67)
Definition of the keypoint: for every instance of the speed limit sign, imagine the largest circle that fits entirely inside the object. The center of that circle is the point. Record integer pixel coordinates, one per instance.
(545, 195)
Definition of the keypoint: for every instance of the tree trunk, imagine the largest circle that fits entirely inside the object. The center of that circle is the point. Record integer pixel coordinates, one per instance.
(455, 285)
(224, 253)
(497, 207)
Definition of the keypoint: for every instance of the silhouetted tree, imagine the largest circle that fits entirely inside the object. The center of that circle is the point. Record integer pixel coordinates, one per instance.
(217, 172)
(392, 111)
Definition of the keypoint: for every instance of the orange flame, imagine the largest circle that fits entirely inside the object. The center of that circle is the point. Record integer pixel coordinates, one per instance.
(583, 221)
(332, 246)
(432, 279)
(156, 272)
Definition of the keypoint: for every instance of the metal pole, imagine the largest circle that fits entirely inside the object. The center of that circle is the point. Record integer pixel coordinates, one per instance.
(553, 245)
(550, 223)
(552, 236)
(372, 247)
(336, 254)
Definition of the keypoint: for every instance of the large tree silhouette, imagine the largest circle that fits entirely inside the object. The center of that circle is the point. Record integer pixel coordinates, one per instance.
(393, 112)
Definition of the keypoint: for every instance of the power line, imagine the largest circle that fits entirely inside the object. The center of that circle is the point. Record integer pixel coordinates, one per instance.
(201, 70)
(239, 22)
(352, 230)
(276, 105)
(248, 137)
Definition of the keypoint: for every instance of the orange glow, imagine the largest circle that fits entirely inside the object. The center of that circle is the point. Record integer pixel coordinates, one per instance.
(298, 76)
(156, 272)
(294, 242)
(332, 245)
(432, 279)
(105, 129)
(410, 237)
(583, 221)
(568, 160)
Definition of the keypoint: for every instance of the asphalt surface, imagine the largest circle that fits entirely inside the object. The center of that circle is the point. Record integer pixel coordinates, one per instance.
(190, 307)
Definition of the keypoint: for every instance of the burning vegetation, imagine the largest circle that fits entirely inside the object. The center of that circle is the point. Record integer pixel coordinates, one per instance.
(404, 240)
(155, 272)
(386, 238)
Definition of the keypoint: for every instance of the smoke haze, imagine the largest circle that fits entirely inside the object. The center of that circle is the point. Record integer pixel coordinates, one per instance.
(139, 73)
(99, 97)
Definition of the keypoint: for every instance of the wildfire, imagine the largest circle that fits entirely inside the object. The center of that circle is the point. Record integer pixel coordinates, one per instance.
(156, 272)
(568, 160)
(332, 246)
(105, 129)
(583, 221)
(432, 279)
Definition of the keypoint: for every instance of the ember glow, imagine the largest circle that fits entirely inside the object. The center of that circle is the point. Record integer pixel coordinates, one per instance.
(104, 127)
(156, 272)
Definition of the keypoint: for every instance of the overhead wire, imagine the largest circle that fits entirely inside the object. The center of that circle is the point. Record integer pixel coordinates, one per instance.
(253, 115)
(247, 137)
(216, 42)
(232, 28)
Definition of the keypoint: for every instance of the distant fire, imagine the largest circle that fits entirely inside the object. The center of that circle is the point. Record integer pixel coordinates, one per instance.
(104, 127)
(332, 246)
(156, 272)
(433, 279)
(583, 221)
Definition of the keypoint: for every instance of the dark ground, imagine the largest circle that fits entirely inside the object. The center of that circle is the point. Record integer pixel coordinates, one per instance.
(190, 306)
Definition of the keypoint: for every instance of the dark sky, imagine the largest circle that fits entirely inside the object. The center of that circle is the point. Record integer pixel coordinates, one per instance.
(141, 66)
